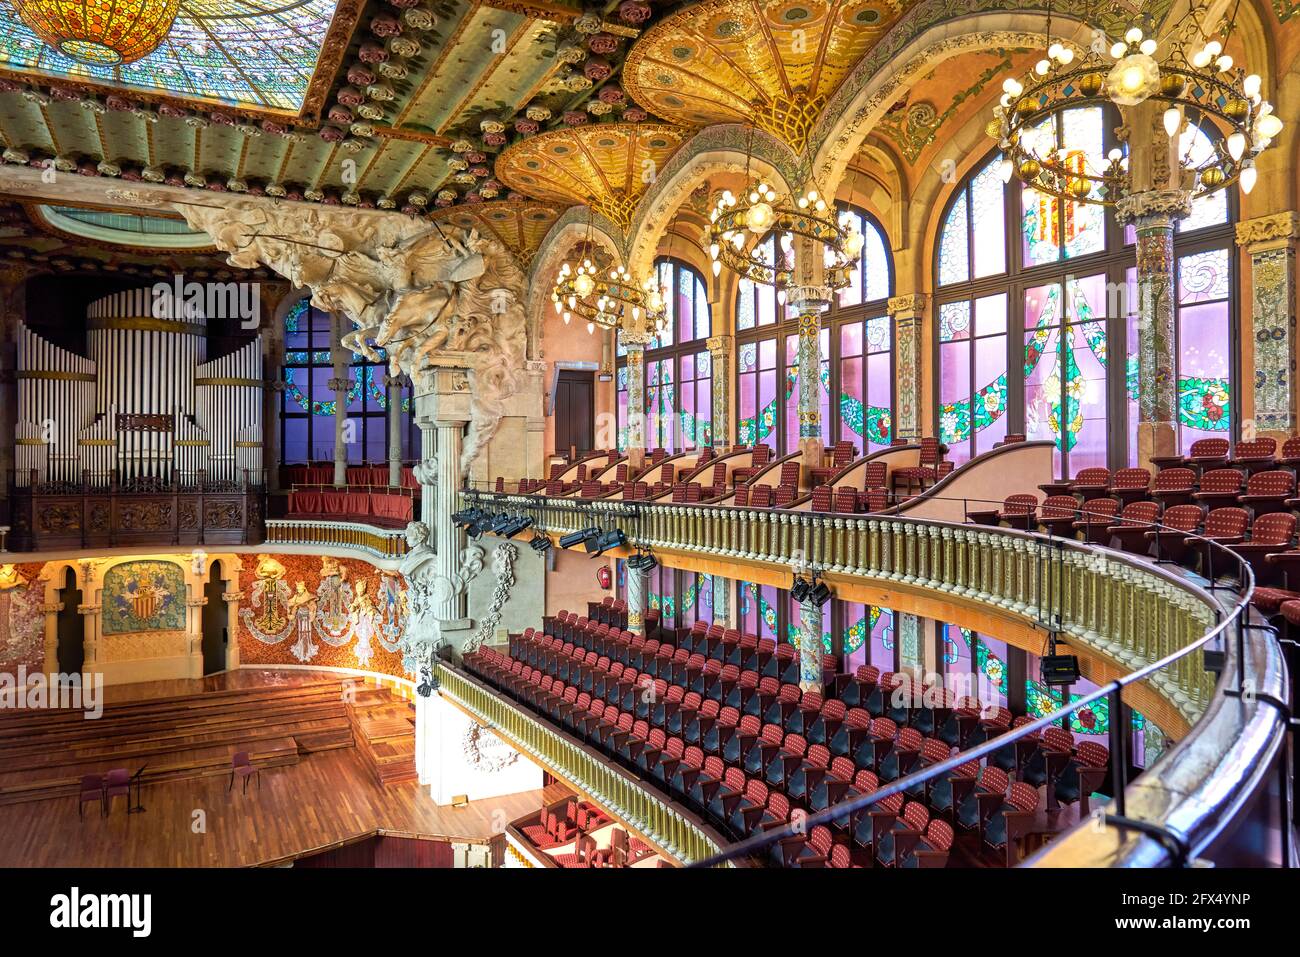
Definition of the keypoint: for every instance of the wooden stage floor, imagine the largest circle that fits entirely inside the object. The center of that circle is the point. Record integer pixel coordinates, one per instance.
(324, 799)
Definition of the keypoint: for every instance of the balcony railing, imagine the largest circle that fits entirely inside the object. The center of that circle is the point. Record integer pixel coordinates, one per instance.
(639, 805)
(313, 532)
(1125, 609)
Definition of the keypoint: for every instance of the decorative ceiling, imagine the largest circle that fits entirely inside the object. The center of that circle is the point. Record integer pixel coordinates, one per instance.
(228, 51)
(520, 225)
(609, 166)
(503, 111)
(773, 64)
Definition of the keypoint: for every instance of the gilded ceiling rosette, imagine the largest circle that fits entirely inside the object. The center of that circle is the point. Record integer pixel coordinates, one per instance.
(725, 61)
(606, 165)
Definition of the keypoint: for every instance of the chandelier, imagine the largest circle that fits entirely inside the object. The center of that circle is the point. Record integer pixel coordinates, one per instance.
(608, 299)
(739, 224)
(100, 32)
(1191, 74)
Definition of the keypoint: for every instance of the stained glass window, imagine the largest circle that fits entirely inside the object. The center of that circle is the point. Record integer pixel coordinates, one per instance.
(756, 397)
(1204, 285)
(621, 383)
(790, 435)
(758, 610)
(974, 665)
(232, 51)
(660, 404)
(866, 383)
(873, 279)
(757, 304)
(307, 404)
(695, 387)
(1065, 370)
(1071, 291)
(972, 375)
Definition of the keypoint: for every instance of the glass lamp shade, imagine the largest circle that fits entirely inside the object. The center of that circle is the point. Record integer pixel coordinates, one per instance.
(100, 32)
(1133, 79)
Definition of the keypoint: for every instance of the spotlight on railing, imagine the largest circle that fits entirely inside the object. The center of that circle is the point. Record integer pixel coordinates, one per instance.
(800, 588)
(540, 544)
(577, 538)
(512, 527)
(820, 594)
(614, 538)
(643, 562)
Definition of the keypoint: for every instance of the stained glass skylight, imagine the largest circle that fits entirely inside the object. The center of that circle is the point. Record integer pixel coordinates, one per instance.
(231, 51)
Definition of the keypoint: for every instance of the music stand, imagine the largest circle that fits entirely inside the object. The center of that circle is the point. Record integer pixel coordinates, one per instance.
(137, 807)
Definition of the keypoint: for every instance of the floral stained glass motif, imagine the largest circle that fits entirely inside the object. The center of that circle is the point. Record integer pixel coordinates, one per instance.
(1204, 345)
(228, 51)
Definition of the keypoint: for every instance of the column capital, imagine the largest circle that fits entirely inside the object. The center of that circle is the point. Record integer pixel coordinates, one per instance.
(1159, 205)
(1275, 229)
(912, 304)
(636, 340)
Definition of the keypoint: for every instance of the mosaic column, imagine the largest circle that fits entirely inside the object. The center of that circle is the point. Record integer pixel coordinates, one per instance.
(339, 385)
(722, 603)
(394, 386)
(910, 658)
(1154, 213)
(907, 314)
(635, 343)
(637, 582)
(720, 348)
(809, 302)
(1270, 242)
(810, 647)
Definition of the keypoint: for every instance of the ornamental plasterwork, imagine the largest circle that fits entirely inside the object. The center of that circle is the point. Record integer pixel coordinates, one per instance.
(1263, 229)
(908, 305)
(1154, 204)
(914, 128)
(412, 288)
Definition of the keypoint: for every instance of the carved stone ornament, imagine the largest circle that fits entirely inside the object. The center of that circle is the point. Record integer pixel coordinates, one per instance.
(413, 289)
(910, 305)
(1154, 203)
(503, 566)
(1264, 229)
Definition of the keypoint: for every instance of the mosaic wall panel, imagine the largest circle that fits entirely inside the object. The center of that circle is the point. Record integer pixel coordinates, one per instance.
(22, 622)
(320, 611)
(144, 596)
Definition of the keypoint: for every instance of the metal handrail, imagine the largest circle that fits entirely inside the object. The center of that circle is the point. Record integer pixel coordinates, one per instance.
(1112, 691)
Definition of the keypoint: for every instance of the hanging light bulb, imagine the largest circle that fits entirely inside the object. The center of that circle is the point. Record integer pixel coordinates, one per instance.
(1134, 35)
(1149, 46)
(1055, 51)
(1173, 120)
(780, 296)
(717, 267)
(1268, 126)
(1214, 48)
(1202, 59)
(1118, 49)
(567, 317)
(1042, 67)
(1066, 56)
(1236, 145)
(591, 327)
(1006, 168)
(584, 285)
(1248, 176)
(1224, 63)
(853, 244)
(1251, 85)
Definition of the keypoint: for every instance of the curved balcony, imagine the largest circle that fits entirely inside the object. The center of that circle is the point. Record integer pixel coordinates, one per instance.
(1183, 649)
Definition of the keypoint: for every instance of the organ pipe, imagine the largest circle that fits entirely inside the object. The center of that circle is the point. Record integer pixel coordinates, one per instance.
(145, 405)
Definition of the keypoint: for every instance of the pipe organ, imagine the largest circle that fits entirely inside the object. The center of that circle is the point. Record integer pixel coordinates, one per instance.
(146, 405)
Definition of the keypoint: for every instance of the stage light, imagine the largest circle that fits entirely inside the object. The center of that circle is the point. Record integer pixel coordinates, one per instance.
(800, 589)
(608, 540)
(540, 544)
(643, 562)
(1059, 669)
(820, 594)
(577, 538)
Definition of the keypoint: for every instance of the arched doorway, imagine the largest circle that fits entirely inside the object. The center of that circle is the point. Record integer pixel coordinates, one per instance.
(71, 649)
(214, 622)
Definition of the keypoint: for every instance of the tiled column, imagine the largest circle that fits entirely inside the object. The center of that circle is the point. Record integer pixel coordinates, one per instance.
(635, 343)
(637, 582)
(907, 313)
(1154, 213)
(810, 647)
(1270, 242)
(720, 348)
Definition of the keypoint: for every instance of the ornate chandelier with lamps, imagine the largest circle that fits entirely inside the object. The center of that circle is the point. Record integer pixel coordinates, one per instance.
(604, 295)
(1186, 70)
(738, 225)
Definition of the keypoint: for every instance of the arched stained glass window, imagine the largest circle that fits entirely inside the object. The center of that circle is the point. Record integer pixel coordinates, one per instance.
(678, 367)
(1036, 311)
(857, 380)
(307, 405)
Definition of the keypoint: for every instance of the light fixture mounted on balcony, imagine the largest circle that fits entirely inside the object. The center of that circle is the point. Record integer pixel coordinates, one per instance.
(1187, 71)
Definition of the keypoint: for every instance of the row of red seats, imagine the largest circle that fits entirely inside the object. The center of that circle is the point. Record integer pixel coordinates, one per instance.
(754, 790)
(878, 745)
(1252, 455)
